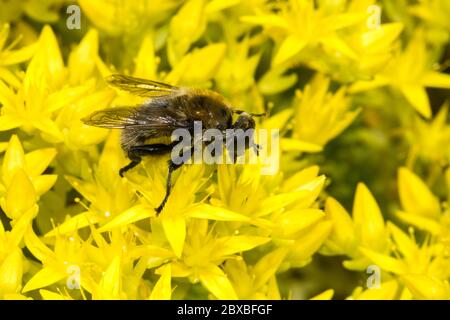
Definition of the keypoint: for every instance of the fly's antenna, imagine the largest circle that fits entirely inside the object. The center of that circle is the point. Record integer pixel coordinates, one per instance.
(258, 114)
(249, 113)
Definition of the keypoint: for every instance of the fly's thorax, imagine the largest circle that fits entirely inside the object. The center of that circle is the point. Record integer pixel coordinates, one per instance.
(209, 108)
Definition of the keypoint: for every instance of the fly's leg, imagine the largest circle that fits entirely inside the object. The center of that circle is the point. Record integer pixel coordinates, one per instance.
(135, 160)
(172, 168)
(137, 152)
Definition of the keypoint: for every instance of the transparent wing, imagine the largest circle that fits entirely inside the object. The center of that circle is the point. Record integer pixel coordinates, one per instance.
(116, 118)
(142, 87)
(153, 121)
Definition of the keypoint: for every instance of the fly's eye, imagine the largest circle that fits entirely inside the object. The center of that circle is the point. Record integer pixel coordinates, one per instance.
(244, 123)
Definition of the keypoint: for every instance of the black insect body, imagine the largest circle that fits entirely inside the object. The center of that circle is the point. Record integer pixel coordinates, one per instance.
(169, 108)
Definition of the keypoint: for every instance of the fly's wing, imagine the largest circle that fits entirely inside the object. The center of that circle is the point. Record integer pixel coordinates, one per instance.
(150, 121)
(114, 118)
(142, 87)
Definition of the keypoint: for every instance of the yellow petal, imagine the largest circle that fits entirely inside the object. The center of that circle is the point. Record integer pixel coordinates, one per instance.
(11, 272)
(21, 225)
(145, 60)
(219, 5)
(129, 216)
(378, 40)
(267, 266)
(436, 80)
(43, 278)
(79, 221)
(273, 293)
(275, 81)
(343, 232)
(10, 101)
(421, 222)
(309, 243)
(369, 223)
(48, 55)
(16, 296)
(185, 27)
(110, 284)
(290, 47)
(386, 291)
(290, 223)
(235, 244)
(289, 144)
(269, 20)
(217, 282)
(202, 64)
(14, 159)
(363, 85)
(385, 262)
(417, 96)
(82, 60)
(206, 211)
(38, 249)
(279, 201)
(326, 295)
(8, 122)
(404, 244)
(43, 183)
(415, 196)
(335, 43)
(300, 178)
(37, 161)
(162, 289)
(426, 287)
(20, 196)
(175, 230)
(65, 97)
(50, 129)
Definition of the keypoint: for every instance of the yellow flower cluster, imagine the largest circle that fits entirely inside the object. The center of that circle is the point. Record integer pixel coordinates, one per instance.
(359, 90)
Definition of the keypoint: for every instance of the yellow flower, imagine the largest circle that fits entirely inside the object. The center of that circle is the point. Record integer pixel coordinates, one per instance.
(41, 94)
(434, 12)
(410, 258)
(120, 17)
(204, 253)
(409, 72)
(299, 25)
(10, 56)
(23, 181)
(258, 281)
(374, 48)
(235, 77)
(366, 229)
(427, 137)
(425, 287)
(386, 291)
(319, 115)
(108, 194)
(162, 289)
(420, 207)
